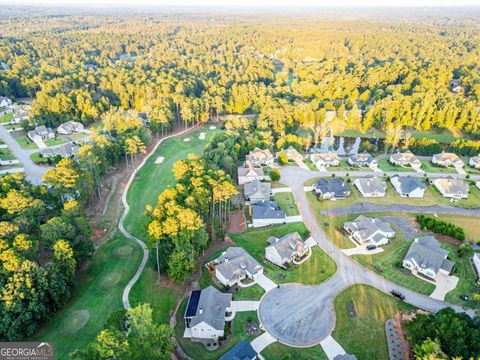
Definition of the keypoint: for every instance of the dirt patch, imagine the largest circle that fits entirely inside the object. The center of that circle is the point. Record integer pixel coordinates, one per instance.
(237, 223)
(352, 312)
(447, 239)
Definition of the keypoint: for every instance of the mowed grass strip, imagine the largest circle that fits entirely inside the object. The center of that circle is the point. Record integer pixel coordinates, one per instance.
(315, 270)
(364, 334)
(287, 203)
(153, 178)
(98, 293)
(277, 351)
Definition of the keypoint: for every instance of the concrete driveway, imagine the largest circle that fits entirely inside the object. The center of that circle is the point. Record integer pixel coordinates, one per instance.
(444, 285)
(265, 282)
(362, 250)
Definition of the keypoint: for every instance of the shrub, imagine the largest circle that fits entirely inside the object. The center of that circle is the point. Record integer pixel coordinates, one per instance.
(282, 158)
(274, 174)
(441, 227)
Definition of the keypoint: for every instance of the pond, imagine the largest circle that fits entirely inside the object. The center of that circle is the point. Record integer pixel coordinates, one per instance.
(344, 145)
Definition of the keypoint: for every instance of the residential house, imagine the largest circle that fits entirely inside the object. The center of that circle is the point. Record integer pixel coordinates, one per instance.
(362, 160)
(70, 127)
(41, 133)
(331, 188)
(205, 314)
(234, 265)
(325, 159)
(456, 86)
(256, 191)
(408, 186)
(475, 162)
(371, 186)
(19, 115)
(283, 251)
(369, 231)
(447, 160)
(293, 154)
(476, 263)
(406, 159)
(266, 213)
(243, 350)
(65, 150)
(249, 173)
(452, 188)
(425, 256)
(260, 157)
(5, 102)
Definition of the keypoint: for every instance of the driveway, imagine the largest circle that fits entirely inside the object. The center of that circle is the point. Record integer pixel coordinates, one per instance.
(444, 285)
(265, 282)
(33, 172)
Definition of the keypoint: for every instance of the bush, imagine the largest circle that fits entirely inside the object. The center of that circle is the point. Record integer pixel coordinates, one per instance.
(282, 158)
(274, 174)
(441, 227)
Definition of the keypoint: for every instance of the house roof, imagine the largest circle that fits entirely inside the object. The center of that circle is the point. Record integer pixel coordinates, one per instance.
(260, 155)
(287, 245)
(361, 158)
(20, 113)
(249, 170)
(452, 186)
(475, 159)
(327, 157)
(447, 157)
(332, 185)
(407, 156)
(428, 254)
(369, 228)
(243, 350)
(292, 153)
(211, 305)
(257, 188)
(407, 184)
(235, 262)
(371, 184)
(345, 357)
(267, 210)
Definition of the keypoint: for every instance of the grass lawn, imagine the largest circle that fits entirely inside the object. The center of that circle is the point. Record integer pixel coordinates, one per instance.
(364, 335)
(428, 167)
(444, 136)
(147, 290)
(310, 164)
(77, 136)
(197, 351)
(57, 140)
(278, 351)
(468, 223)
(6, 154)
(153, 178)
(287, 203)
(277, 185)
(314, 271)
(386, 166)
(253, 292)
(26, 143)
(6, 118)
(38, 159)
(98, 293)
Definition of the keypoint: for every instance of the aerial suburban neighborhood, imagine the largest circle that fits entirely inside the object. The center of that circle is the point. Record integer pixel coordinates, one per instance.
(240, 181)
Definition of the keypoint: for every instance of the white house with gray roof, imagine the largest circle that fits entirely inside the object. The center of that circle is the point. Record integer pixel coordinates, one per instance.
(452, 188)
(282, 251)
(19, 115)
(408, 186)
(325, 159)
(70, 127)
(427, 257)
(369, 231)
(5, 102)
(331, 188)
(249, 173)
(205, 314)
(406, 159)
(234, 265)
(257, 191)
(41, 133)
(447, 160)
(475, 162)
(266, 213)
(371, 186)
(260, 157)
(362, 160)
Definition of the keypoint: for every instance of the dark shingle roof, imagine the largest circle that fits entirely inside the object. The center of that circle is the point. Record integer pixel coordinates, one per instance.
(267, 210)
(243, 350)
(332, 185)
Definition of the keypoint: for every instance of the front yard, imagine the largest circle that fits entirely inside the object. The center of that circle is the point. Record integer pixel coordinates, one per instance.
(315, 270)
(57, 140)
(278, 351)
(26, 143)
(386, 166)
(364, 333)
(6, 118)
(287, 203)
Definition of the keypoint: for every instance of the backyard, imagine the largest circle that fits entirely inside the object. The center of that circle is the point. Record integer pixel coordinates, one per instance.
(468, 223)
(287, 203)
(363, 334)
(315, 270)
(278, 351)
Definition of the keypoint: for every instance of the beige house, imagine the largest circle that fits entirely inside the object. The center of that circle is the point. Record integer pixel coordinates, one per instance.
(447, 160)
(452, 188)
(293, 154)
(325, 159)
(406, 159)
(249, 173)
(475, 162)
(260, 157)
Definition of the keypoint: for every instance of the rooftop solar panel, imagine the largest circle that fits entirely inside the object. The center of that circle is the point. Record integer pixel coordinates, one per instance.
(193, 303)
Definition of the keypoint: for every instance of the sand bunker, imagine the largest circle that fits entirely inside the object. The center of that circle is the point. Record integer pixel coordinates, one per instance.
(159, 160)
(213, 127)
(186, 139)
(202, 136)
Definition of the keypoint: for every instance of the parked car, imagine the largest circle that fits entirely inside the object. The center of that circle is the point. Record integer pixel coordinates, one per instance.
(371, 247)
(464, 297)
(397, 294)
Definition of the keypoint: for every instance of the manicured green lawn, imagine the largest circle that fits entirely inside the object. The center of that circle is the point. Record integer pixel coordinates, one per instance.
(198, 351)
(429, 167)
(287, 203)
(469, 223)
(6, 154)
(6, 118)
(364, 335)
(58, 140)
(386, 166)
(278, 185)
(38, 159)
(278, 351)
(310, 164)
(153, 178)
(97, 292)
(444, 136)
(315, 270)
(26, 143)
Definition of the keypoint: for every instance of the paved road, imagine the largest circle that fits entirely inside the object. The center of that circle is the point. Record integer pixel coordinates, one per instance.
(362, 208)
(33, 171)
(307, 319)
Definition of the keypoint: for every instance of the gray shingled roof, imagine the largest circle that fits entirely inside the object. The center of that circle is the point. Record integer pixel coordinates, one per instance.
(453, 186)
(244, 170)
(409, 183)
(243, 350)
(361, 158)
(235, 262)
(367, 227)
(372, 184)
(267, 210)
(332, 185)
(404, 157)
(257, 188)
(287, 245)
(427, 253)
(211, 308)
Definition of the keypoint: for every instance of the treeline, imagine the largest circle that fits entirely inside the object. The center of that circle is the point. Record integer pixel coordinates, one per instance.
(43, 239)
(440, 227)
(291, 73)
(429, 147)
